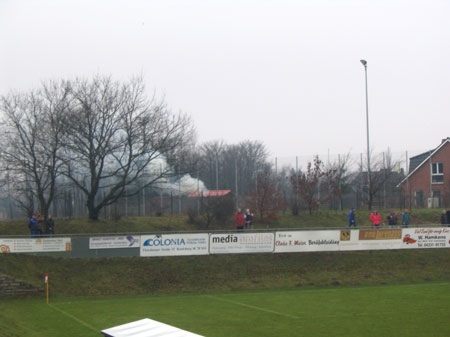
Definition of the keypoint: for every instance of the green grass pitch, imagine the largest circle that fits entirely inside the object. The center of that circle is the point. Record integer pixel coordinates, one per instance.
(398, 310)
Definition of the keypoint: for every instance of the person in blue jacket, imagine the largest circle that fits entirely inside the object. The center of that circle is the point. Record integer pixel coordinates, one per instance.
(33, 226)
(351, 217)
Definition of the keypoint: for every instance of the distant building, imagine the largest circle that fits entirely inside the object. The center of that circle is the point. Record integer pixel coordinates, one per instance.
(210, 193)
(428, 181)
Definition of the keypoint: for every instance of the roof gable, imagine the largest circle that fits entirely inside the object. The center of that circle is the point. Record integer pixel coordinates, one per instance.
(418, 161)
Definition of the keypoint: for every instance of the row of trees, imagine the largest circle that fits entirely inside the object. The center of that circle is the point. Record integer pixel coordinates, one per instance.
(107, 140)
(318, 186)
(97, 135)
(324, 186)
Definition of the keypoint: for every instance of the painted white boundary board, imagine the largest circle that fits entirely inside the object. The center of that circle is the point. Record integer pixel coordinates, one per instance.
(146, 328)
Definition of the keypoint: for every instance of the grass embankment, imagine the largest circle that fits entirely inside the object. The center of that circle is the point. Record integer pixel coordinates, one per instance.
(77, 277)
(223, 273)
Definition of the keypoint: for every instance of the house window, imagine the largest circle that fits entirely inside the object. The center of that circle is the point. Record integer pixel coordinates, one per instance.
(437, 172)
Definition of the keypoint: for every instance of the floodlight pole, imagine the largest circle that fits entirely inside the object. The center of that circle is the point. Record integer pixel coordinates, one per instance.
(364, 63)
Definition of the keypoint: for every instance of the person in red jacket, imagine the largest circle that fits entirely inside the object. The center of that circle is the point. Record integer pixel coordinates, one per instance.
(375, 219)
(239, 219)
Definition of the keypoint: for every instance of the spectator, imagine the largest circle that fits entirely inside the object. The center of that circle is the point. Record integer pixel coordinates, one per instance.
(239, 220)
(375, 219)
(351, 217)
(392, 219)
(447, 217)
(443, 217)
(49, 226)
(248, 219)
(33, 226)
(405, 218)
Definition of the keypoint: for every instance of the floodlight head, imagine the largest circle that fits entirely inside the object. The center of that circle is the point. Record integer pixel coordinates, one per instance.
(364, 62)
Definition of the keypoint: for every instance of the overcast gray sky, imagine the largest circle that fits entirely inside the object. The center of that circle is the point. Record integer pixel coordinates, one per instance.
(283, 72)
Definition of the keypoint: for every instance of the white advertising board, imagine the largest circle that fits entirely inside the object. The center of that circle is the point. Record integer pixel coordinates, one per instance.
(35, 245)
(426, 238)
(306, 241)
(174, 244)
(108, 242)
(235, 243)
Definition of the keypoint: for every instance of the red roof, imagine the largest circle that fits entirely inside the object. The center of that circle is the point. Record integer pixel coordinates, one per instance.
(211, 193)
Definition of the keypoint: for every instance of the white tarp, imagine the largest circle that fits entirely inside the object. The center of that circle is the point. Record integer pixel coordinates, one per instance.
(146, 328)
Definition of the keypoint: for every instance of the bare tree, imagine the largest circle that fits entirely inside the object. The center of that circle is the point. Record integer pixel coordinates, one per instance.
(224, 166)
(265, 199)
(31, 143)
(117, 137)
(252, 156)
(239, 163)
(337, 178)
(383, 178)
(307, 183)
(209, 163)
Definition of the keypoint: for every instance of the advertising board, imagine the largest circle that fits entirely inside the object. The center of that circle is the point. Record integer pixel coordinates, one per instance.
(108, 242)
(236, 243)
(306, 241)
(174, 244)
(35, 245)
(426, 238)
(371, 239)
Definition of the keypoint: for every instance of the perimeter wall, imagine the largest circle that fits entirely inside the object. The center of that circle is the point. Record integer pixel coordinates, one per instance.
(231, 242)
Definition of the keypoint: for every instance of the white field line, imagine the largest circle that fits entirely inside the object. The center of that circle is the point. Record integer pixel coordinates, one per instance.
(87, 325)
(254, 307)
